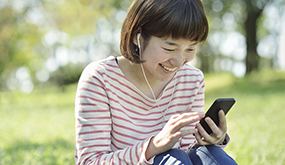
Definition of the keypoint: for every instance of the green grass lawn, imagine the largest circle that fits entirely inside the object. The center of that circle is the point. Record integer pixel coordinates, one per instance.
(39, 128)
(256, 122)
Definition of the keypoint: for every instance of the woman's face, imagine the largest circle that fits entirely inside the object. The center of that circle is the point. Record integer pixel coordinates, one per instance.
(164, 56)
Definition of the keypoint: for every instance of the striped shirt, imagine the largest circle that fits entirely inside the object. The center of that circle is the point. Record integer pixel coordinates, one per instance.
(115, 120)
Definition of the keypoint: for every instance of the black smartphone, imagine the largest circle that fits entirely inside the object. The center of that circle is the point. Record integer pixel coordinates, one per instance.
(222, 103)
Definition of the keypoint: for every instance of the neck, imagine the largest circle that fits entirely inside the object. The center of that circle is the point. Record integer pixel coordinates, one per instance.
(134, 74)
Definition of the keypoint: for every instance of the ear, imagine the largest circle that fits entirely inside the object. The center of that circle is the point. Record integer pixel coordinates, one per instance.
(135, 40)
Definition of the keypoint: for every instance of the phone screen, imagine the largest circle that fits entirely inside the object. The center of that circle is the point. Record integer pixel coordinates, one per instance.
(223, 103)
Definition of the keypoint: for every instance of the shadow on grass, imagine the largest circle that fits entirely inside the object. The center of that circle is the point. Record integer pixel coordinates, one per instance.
(53, 152)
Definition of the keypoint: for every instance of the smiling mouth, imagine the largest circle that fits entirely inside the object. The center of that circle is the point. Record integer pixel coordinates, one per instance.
(168, 68)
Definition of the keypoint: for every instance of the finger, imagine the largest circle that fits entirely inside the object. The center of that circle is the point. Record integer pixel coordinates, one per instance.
(187, 115)
(190, 114)
(200, 140)
(203, 133)
(222, 121)
(188, 118)
(216, 137)
(215, 129)
(185, 132)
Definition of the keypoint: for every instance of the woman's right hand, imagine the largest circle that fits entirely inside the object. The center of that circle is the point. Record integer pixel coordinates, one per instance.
(172, 132)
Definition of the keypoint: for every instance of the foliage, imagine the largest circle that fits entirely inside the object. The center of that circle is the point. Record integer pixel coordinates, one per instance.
(248, 20)
(68, 74)
(39, 128)
(32, 32)
(18, 40)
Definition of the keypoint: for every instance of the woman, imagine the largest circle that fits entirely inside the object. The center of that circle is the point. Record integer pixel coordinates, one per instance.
(144, 106)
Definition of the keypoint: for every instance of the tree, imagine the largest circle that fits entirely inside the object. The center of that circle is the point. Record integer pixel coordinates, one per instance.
(31, 31)
(246, 15)
(253, 11)
(18, 40)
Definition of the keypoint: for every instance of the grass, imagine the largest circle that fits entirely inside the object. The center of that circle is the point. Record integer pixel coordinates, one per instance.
(39, 128)
(256, 122)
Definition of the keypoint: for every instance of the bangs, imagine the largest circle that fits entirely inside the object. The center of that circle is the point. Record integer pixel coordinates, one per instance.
(178, 19)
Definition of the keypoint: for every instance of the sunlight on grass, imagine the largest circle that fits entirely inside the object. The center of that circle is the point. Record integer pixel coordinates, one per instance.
(255, 123)
(40, 128)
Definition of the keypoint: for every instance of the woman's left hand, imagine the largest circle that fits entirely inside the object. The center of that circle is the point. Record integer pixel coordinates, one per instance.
(219, 132)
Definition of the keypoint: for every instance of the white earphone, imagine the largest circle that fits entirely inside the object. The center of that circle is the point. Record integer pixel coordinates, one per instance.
(139, 45)
(138, 39)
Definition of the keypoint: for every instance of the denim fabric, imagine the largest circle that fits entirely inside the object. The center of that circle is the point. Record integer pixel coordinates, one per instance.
(204, 155)
(173, 157)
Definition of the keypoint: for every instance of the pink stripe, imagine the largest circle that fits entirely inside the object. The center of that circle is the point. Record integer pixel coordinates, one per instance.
(94, 111)
(135, 130)
(92, 83)
(117, 73)
(101, 138)
(112, 159)
(127, 94)
(92, 132)
(130, 103)
(88, 104)
(125, 153)
(113, 66)
(114, 146)
(140, 115)
(92, 146)
(92, 153)
(96, 78)
(126, 86)
(189, 75)
(201, 99)
(93, 99)
(189, 138)
(198, 106)
(187, 89)
(128, 136)
(131, 156)
(92, 91)
(138, 125)
(95, 118)
(137, 154)
(92, 125)
(189, 69)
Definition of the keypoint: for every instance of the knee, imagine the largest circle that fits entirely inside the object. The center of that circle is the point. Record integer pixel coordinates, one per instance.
(211, 154)
(172, 156)
(175, 151)
(213, 148)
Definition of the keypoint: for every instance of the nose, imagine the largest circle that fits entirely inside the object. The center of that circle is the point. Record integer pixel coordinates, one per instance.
(178, 59)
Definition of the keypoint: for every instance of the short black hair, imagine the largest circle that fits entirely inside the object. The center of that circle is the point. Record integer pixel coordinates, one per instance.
(162, 18)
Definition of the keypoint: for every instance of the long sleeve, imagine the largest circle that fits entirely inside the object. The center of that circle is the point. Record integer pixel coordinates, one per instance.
(197, 104)
(94, 124)
(115, 120)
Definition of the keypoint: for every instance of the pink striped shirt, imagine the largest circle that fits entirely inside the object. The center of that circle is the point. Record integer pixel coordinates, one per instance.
(115, 120)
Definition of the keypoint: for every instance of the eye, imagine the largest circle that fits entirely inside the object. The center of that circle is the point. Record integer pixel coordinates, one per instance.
(190, 50)
(169, 50)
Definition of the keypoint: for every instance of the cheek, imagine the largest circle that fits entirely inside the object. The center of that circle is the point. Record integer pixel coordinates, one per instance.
(191, 56)
(154, 55)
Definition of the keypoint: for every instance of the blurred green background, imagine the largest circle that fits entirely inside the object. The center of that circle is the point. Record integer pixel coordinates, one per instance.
(45, 44)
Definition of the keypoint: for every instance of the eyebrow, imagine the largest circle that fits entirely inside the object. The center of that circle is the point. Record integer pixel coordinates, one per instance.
(174, 44)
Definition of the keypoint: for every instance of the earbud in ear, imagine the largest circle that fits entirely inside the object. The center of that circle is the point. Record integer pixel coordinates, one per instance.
(138, 40)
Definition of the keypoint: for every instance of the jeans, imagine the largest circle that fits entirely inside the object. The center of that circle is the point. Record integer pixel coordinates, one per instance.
(204, 155)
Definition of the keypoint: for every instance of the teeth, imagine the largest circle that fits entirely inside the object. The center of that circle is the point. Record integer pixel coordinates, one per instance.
(169, 69)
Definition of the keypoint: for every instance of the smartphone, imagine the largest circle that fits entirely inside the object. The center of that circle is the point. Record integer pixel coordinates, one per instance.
(222, 103)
